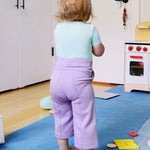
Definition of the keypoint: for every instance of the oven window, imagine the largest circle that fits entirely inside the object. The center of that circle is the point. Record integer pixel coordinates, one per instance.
(136, 68)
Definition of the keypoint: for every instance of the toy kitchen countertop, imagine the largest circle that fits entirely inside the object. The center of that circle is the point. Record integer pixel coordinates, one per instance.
(142, 31)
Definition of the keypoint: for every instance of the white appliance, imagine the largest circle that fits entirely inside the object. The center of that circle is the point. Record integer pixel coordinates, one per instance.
(137, 66)
(2, 140)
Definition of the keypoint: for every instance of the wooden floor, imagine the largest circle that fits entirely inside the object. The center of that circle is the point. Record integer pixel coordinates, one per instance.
(21, 107)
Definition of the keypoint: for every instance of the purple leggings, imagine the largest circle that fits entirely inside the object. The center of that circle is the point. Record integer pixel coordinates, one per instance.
(73, 102)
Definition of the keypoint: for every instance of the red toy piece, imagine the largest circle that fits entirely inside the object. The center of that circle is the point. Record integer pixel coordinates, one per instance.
(133, 133)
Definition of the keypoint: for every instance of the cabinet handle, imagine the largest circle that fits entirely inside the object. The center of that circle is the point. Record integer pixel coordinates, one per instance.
(52, 51)
(17, 4)
(23, 4)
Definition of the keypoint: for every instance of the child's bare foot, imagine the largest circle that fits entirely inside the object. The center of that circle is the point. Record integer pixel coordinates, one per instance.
(73, 148)
(51, 111)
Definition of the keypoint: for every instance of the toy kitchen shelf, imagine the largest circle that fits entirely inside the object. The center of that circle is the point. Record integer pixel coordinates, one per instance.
(143, 27)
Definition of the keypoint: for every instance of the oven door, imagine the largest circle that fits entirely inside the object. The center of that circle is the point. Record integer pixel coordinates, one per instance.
(136, 68)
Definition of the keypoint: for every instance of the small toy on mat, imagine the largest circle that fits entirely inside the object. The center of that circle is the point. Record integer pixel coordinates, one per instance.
(111, 145)
(133, 133)
(126, 144)
(46, 103)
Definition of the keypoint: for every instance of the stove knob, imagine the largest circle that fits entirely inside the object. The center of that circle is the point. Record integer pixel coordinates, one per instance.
(130, 48)
(138, 48)
(145, 49)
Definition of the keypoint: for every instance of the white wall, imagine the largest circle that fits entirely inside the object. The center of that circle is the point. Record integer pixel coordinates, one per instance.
(108, 19)
(144, 10)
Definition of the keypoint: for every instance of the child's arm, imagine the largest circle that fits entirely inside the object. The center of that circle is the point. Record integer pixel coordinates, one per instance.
(98, 50)
(97, 46)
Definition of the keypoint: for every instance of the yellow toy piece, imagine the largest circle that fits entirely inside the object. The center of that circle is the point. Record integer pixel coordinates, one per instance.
(126, 144)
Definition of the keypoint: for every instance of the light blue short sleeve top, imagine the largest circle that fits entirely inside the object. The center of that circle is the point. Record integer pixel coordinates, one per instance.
(75, 39)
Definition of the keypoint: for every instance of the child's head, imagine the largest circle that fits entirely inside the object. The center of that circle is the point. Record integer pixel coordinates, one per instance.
(74, 10)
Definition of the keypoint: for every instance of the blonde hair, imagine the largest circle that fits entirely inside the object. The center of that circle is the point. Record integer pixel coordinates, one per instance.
(74, 10)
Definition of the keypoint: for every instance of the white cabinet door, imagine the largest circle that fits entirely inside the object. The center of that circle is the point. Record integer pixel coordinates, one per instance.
(35, 57)
(8, 45)
(108, 19)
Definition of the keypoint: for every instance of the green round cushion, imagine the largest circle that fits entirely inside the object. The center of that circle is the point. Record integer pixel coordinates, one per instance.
(46, 103)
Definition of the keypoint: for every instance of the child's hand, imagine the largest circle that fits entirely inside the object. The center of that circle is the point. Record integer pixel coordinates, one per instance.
(98, 50)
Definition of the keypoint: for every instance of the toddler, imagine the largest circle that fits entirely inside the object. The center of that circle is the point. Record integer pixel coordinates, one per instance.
(71, 81)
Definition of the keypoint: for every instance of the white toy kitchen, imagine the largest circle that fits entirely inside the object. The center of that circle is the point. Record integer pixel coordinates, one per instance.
(137, 66)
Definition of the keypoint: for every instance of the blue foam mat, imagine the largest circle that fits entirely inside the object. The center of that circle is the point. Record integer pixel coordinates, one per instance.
(115, 118)
(122, 114)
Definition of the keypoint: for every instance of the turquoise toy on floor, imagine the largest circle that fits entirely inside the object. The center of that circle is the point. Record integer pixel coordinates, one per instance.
(46, 103)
